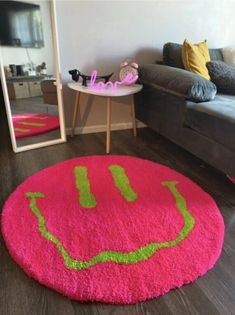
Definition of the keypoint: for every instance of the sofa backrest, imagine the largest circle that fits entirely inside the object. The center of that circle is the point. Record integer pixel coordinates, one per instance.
(172, 55)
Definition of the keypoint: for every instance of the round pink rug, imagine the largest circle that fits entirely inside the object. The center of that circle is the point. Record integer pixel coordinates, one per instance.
(115, 229)
(26, 125)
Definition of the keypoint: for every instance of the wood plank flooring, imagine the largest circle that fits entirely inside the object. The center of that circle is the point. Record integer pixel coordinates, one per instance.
(212, 294)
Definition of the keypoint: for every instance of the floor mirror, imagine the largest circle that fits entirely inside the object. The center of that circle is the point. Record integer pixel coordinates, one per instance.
(30, 73)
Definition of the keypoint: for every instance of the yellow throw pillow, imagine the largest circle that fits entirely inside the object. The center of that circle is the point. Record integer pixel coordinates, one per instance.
(195, 58)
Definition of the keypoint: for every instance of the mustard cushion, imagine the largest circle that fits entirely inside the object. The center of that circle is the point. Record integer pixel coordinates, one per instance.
(195, 58)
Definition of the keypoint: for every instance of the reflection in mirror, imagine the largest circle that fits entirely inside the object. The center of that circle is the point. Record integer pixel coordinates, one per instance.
(28, 59)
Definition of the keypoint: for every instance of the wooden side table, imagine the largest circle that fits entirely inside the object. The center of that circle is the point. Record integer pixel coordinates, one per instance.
(108, 93)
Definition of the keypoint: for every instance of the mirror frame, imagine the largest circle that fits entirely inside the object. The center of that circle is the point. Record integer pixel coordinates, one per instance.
(62, 138)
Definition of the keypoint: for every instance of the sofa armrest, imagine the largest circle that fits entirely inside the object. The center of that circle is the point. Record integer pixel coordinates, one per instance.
(177, 81)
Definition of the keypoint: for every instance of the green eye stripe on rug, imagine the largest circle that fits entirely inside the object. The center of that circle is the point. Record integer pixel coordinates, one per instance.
(21, 129)
(27, 123)
(122, 183)
(86, 198)
(138, 255)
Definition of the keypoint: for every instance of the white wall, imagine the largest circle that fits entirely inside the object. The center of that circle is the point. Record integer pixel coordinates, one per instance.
(13, 55)
(100, 34)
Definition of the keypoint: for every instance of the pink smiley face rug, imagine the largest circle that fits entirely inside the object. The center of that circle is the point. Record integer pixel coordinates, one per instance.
(26, 125)
(115, 229)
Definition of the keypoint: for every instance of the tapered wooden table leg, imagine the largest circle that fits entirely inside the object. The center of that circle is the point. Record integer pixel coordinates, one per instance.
(109, 105)
(75, 113)
(133, 115)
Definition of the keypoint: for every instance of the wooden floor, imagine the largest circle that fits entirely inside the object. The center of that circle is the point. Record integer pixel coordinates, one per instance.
(212, 294)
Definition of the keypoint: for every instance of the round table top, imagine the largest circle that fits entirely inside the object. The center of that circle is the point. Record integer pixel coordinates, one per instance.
(121, 90)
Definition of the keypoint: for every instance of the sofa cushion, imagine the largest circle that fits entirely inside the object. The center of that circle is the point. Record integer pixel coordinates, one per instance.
(214, 119)
(229, 55)
(223, 75)
(172, 55)
(179, 82)
(195, 57)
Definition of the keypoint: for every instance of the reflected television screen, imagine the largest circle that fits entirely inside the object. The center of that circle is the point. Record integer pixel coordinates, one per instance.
(20, 24)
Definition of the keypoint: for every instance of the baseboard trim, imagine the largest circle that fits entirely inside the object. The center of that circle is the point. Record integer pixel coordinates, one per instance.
(102, 128)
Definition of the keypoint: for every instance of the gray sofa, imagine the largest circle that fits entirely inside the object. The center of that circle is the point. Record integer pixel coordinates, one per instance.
(186, 109)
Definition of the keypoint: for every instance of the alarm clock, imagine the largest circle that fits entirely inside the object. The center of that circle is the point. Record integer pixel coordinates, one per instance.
(128, 67)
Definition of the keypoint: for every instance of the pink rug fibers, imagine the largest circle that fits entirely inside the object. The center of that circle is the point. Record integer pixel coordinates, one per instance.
(26, 125)
(232, 179)
(115, 229)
